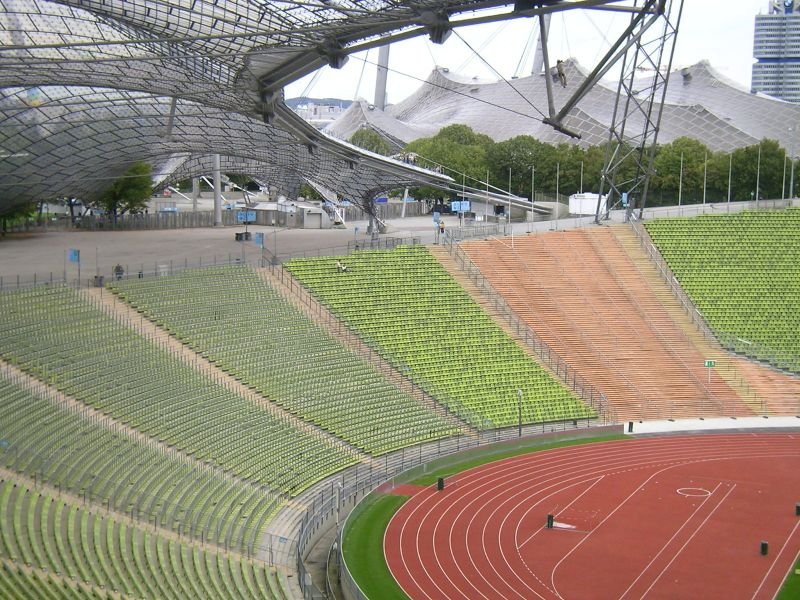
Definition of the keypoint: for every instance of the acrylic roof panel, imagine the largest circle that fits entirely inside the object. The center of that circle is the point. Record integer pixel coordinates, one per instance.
(89, 86)
(77, 140)
(500, 110)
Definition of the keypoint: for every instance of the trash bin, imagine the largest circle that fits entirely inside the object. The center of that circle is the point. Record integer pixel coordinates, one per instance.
(99, 280)
(246, 236)
(239, 236)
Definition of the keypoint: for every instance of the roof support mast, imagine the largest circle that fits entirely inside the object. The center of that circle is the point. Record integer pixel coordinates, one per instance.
(649, 41)
(636, 120)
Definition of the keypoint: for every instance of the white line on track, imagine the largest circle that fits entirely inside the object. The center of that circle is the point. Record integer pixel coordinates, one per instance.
(519, 480)
(561, 512)
(775, 560)
(674, 535)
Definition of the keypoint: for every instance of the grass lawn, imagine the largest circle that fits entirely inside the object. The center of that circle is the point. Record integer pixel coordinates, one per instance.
(791, 587)
(363, 549)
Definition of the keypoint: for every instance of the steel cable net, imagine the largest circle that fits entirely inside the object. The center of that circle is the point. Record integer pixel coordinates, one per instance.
(173, 76)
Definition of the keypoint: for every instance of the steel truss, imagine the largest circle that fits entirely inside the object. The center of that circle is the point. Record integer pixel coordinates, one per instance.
(633, 133)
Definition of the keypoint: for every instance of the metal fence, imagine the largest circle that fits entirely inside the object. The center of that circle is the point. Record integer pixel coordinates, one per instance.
(255, 256)
(713, 208)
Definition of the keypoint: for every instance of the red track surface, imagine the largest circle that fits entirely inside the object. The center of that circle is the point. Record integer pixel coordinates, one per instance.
(669, 517)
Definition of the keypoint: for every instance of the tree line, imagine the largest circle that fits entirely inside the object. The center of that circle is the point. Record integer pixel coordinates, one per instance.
(474, 158)
(471, 157)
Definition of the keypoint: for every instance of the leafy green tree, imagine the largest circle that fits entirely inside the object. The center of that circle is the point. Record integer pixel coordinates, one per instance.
(669, 182)
(571, 160)
(520, 157)
(745, 173)
(12, 212)
(463, 135)
(594, 159)
(457, 151)
(371, 140)
(130, 192)
(770, 171)
(309, 193)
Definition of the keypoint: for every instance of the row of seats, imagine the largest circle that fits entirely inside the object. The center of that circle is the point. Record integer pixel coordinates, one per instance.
(405, 304)
(236, 320)
(110, 367)
(95, 551)
(73, 453)
(742, 271)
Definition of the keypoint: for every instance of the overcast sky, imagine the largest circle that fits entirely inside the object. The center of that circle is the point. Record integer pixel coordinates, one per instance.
(720, 31)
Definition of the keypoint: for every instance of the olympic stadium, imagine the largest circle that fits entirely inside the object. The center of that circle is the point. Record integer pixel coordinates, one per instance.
(540, 409)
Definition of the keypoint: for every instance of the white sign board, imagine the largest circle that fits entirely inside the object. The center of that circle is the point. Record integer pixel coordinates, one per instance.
(585, 204)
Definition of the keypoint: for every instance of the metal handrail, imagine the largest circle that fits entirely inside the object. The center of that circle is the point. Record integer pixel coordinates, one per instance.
(550, 357)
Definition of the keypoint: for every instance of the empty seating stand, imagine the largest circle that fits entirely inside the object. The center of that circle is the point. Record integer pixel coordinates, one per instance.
(52, 443)
(742, 271)
(236, 320)
(112, 369)
(53, 548)
(406, 306)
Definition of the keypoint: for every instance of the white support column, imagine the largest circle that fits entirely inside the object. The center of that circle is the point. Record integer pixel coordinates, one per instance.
(380, 80)
(195, 192)
(217, 193)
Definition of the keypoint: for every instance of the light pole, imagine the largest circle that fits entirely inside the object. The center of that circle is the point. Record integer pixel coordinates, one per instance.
(705, 175)
(783, 185)
(680, 182)
(730, 174)
(791, 171)
(486, 206)
(519, 413)
(533, 184)
(275, 237)
(558, 204)
(508, 218)
(758, 174)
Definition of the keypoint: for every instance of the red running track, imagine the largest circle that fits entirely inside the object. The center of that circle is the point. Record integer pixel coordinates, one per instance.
(669, 517)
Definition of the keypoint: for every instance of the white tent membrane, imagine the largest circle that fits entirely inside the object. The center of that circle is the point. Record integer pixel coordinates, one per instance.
(700, 103)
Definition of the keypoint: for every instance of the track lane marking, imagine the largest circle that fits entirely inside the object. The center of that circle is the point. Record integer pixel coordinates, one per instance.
(686, 543)
(774, 562)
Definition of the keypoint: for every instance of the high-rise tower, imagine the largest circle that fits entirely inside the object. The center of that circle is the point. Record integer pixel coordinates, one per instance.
(776, 48)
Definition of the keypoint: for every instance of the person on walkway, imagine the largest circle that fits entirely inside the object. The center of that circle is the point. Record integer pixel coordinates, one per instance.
(118, 271)
(562, 76)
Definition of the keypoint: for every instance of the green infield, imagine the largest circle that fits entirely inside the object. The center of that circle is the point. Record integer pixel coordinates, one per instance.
(791, 587)
(363, 548)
